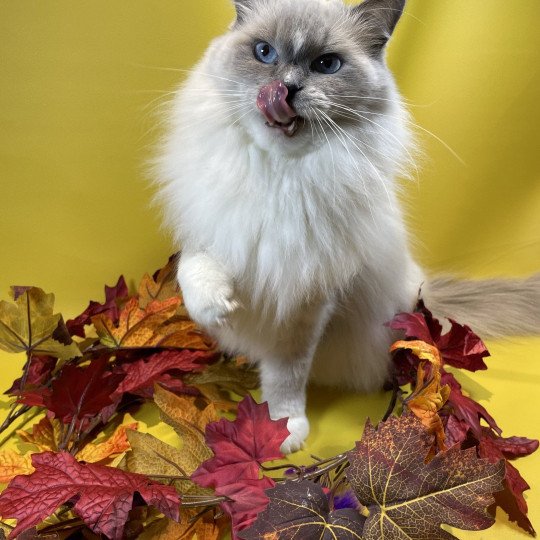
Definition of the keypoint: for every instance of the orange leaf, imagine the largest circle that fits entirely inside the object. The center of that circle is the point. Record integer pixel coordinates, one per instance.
(116, 444)
(165, 285)
(13, 464)
(428, 397)
(45, 435)
(421, 349)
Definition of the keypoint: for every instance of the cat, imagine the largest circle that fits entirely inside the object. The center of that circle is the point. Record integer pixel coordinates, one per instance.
(278, 180)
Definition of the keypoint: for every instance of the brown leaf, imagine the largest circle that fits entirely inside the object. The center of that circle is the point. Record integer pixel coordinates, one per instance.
(410, 499)
(205, 528)
(160, 287)
(45, 434)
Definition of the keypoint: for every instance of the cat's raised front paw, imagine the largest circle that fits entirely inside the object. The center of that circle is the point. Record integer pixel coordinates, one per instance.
(298, 427)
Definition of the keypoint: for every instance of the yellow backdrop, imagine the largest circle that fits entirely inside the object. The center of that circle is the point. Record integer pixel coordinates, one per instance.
(80, 83)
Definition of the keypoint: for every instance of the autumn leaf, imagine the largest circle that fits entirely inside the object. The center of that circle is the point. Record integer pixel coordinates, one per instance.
(240, 447)
(13, 464)
(29, 325)
(116, 444)
(140, 376)
(510, 499)
(218, 379)
(82, 391)
(45, 434)
(113, 297)
(155, 326)
(161, 286)
(410, 499)
(189, 421)
(39, 371)
(157, 459)
(204, 528)
(460, 347)
(103, 496)
(300, 510)
(429, 396)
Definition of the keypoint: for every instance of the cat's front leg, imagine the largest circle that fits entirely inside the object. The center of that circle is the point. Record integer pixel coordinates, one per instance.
(284, 376)
(207, 289)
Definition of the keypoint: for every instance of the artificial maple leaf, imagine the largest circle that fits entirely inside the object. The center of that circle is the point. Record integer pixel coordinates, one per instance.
(511, 499)
(13, 464)
(429, 396)
(161, 286)
(154, 458)
(113, 297)
(29, 325)
(189, 421)
(240, 447)
(300, 510)
(104, 496)
(45, 434)
(460, 347)
(116, 444)
(82, 391)
(204, 528)
(408, 498)
(140, 376)
(466, 409)
(155, 326)
(39, 371)
(223, 377)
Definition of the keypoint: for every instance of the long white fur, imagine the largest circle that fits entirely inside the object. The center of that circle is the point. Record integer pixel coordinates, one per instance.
(287, 256)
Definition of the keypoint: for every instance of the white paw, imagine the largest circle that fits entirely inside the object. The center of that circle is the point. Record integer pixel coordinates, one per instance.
(298, 427)
(211, 307)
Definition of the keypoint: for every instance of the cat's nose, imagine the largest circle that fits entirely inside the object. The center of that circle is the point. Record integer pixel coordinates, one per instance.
(293, 89)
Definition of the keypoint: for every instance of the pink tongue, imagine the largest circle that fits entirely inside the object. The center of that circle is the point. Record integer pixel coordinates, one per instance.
(272, 102)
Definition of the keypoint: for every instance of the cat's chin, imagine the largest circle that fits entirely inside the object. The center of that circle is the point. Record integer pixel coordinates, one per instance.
(288, 139)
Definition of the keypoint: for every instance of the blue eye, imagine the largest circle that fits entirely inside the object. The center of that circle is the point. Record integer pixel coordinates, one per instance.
(265, 53)
(327, 64)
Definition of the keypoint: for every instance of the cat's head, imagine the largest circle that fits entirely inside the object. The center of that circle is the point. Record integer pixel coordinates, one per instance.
(297, 69)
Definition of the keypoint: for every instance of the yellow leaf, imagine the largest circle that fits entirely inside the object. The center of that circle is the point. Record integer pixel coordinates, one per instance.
(165, 285)
(116, 444)
(189, 421)
(421, 349)
(13, 464)
(30, 325)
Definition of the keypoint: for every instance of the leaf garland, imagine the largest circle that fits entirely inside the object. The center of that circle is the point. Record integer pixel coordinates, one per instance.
(434, 464)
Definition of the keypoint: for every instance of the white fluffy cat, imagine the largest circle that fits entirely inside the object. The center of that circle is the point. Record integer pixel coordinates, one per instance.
(278, 180)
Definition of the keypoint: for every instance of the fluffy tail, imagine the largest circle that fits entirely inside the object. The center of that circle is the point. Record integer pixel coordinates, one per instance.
(492, 308)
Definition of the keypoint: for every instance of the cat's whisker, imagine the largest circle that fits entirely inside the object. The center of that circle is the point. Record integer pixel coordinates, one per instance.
(329, 121)
(375, 170)
(331, 156)
(386, 130)
(427, 131)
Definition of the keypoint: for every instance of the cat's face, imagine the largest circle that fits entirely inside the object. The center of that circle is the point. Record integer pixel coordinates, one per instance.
(304, 68)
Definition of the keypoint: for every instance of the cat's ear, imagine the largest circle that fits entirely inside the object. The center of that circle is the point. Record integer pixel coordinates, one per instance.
(243, 8)
(378, 18)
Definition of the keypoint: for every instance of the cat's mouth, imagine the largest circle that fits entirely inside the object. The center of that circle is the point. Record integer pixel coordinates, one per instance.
(272, 102)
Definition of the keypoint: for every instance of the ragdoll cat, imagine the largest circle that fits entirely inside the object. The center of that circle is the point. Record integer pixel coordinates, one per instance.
(278, 180)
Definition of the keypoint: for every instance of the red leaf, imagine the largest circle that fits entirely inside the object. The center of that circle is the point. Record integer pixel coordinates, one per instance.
(82, 391)
(141, 375)
(466, 409)
(511, 499)
(110, 308)
(241, 446)
(40, 369)
(460, 347)
(249, 500)
(239, 449)
(104, 496)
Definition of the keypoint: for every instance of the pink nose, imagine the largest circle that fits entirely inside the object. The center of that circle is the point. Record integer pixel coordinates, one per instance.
(272, 102)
